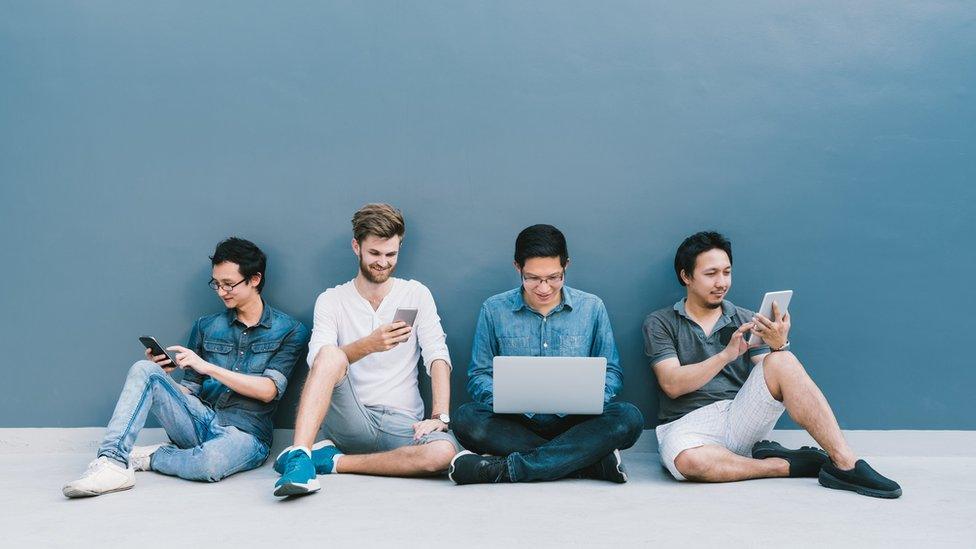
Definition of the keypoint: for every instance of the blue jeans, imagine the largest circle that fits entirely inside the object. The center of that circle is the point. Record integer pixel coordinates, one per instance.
(204, 450)
(546, 446)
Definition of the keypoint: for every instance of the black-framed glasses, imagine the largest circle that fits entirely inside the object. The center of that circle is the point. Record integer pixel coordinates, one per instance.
(214, 285)
(535, 281)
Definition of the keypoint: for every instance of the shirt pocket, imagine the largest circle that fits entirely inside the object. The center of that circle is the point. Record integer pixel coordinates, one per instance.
(218, 352)
(516, 346)
(261, 354)
(572, 345)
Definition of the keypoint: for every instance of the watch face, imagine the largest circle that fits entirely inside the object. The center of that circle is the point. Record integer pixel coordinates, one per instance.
(445, 418)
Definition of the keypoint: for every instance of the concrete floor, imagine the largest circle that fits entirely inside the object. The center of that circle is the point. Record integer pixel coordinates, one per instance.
(935, 468)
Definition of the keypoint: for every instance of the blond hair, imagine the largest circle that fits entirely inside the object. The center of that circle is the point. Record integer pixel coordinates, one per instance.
(379, 220)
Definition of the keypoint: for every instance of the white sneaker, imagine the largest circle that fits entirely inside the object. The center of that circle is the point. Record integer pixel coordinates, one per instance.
(103, 476)
(140, 456)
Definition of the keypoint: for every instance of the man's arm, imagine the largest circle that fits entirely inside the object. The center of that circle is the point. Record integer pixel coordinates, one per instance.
(252, 386)
(678, 379)
(279, 367)
(605, 346)
(483, 351)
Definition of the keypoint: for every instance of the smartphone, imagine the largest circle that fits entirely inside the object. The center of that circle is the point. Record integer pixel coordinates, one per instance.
(406, 315)
(149, 342)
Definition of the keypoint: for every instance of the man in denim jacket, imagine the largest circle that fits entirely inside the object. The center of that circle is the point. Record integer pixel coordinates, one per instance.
(542, 317)
(236, 364)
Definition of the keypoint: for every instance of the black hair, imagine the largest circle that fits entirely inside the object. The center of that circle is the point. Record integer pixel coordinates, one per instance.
(693, 246)
(540, 241)
(249, 258)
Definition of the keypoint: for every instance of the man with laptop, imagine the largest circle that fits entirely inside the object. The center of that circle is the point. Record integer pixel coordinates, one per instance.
(368, 336)
(721, 395)
(544, 372)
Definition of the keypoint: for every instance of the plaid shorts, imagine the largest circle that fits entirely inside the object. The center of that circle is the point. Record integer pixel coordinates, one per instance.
(736, 424)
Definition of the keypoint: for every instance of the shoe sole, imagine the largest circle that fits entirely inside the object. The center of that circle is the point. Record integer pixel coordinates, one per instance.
(76, 493)
(450, 471)
(830, 481)
(297, 488)
(781, 452)
(620, 468)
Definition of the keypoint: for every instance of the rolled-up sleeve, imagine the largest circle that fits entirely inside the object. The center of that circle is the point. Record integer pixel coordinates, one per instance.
(430, 333)
(280, 366)
(191, 379)
(605, 346)
(325, 328)
(659, 343)
(484, 348)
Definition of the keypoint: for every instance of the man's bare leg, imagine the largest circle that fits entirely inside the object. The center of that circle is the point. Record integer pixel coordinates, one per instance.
(789, 383)
(408, 461)
(328, 368)
(713, 463)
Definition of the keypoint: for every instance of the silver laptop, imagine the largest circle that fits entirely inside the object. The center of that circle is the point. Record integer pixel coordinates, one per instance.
(549, 384)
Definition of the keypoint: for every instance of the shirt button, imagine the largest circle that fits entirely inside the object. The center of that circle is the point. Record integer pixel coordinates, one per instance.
(546, 345)
(242, 352)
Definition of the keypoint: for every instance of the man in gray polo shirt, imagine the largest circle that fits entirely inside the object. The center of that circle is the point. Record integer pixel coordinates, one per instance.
(721, 397)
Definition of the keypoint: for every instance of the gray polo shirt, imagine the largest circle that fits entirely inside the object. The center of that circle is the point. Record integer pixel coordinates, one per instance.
(670, 333)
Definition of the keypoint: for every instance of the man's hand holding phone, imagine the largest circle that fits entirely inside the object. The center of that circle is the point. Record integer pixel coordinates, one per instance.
(388, 336)
(164, 362)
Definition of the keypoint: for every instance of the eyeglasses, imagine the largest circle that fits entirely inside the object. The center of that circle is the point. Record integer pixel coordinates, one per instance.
(534, 281)
(214, 285)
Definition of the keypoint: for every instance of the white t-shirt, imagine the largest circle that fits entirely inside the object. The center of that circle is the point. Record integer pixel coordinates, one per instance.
(387, 378)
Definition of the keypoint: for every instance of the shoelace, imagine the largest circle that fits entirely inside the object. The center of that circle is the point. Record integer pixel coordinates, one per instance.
(491, 471)
(292, 465)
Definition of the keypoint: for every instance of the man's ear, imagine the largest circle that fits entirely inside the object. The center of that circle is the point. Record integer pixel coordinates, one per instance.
(517, 268)
(256, 279)
(685, 278)
(355, 247)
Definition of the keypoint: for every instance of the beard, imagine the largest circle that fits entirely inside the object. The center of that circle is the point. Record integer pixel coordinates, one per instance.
(372, 276)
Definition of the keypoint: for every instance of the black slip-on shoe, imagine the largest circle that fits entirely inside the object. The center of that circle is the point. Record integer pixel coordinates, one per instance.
(861, 479)
(611, 468)
(804, 462)
(470, 468)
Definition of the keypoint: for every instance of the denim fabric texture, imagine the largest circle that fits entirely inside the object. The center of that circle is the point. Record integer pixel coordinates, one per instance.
(507, 326)
(270, 349)
(203, 449)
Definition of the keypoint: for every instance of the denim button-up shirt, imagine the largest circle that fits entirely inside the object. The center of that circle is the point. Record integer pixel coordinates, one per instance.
(270, 348)
(507, 326)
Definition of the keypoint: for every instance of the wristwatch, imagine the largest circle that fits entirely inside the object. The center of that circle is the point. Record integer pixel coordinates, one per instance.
(785, 347)
(445, 419)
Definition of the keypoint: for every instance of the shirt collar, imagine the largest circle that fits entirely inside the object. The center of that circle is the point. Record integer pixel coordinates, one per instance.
(566, 300)
(728, 309)
(265, 315)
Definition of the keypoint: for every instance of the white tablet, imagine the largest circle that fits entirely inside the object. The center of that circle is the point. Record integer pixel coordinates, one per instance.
(782, 299)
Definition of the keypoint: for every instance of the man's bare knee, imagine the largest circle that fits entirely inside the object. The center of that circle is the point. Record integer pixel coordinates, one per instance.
(693, 464)
(331, 362)
(780, 367)
(437, 456)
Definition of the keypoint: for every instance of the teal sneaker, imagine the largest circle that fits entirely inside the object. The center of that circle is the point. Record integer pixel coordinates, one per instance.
(298, 477)
(323, 457)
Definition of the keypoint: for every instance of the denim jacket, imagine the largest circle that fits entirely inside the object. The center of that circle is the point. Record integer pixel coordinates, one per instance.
(270, 349)
(507, 326)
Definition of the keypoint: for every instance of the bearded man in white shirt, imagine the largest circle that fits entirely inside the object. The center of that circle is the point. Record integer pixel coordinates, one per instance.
(362, 380)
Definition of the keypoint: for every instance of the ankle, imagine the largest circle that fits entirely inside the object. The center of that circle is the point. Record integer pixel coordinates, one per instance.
(778, 466)
(844, 462)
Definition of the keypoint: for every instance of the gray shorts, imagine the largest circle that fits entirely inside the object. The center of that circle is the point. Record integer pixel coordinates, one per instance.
(358, 429)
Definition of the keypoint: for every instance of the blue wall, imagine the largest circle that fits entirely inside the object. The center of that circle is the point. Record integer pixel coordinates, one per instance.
(833, 142)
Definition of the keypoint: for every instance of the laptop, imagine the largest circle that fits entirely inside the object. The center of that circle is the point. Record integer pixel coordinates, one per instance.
(549, 384)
